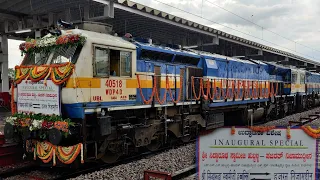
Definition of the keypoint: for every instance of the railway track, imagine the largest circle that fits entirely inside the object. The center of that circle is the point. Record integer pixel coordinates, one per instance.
(178, 175)
(184, 173)
(14, 171)
(305, 120)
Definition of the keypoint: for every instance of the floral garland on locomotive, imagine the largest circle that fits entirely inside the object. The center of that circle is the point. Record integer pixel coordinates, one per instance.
(40, 125)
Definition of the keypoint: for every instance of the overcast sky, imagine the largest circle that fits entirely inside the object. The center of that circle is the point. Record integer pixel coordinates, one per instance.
(296, 21)
(14, 53)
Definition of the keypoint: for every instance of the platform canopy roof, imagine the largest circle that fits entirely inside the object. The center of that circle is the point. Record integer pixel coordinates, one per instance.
(19, 16)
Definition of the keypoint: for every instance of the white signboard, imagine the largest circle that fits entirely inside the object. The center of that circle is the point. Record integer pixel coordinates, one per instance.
(35, 97)
(250, 155)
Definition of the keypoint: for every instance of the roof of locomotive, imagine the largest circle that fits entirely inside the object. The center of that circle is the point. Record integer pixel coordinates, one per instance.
(313, 73)
(215, 56)
(102, 38)
(276, 65)
(191, 52)
(165, 49)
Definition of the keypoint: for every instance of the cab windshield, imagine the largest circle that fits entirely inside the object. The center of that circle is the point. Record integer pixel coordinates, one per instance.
(54, 56)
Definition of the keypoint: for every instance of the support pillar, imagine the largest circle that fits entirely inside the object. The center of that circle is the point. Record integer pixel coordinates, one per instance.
(4, 64)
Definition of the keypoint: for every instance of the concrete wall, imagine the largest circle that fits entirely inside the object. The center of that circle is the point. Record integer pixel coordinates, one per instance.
(4, 64)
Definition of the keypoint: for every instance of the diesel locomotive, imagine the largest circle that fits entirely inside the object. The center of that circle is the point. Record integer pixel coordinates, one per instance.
(85, 94)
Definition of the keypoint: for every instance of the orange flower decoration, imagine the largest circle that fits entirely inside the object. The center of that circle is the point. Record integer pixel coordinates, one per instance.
(288, 133)
(233, 130)
(310, 133)
(288, 136)
(61, 125)
(261, 128)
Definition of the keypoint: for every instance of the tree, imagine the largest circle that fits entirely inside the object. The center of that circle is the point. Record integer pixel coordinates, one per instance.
(11, 73)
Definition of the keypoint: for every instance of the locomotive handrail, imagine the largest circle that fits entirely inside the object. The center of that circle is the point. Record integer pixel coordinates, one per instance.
(266, 90)
(247, 89)
(165, 93)
(257, 89)
(215, 89)
(260, 84)
(141, 93)
(180, 90)
(254, 90)
(156, 93)
(272, 91)
(145, 73)
(237, 94)
(194, 90)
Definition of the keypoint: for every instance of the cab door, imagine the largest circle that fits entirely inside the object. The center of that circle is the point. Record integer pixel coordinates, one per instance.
(195, 72)
(172, 79)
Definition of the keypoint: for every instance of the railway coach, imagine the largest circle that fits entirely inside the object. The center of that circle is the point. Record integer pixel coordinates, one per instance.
(86, 95)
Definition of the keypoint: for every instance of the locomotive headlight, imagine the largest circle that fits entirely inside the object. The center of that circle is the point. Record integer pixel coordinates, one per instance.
(103, 112)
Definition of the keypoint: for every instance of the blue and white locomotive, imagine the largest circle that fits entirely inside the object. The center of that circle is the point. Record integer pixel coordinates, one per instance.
(127, 93)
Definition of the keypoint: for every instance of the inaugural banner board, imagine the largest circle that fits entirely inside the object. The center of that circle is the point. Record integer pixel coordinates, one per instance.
(35, 97)
(248, 155)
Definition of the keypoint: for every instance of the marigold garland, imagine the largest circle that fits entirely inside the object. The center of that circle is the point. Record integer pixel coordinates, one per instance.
(262, 128)
(59, 77)
(233, 130)
(315, 131)
(38, 72)
(44, 151)
(13, 105)
(47, 152)
(311, 132)
(59, 73)
(21, 72)
(288, 133)
(68, 154)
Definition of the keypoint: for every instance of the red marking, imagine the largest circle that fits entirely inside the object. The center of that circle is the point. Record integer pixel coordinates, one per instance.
(97, 98)
(113, 83)
(156, 174)
(113, 91)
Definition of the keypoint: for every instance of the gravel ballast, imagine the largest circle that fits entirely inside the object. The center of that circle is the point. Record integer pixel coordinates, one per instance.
(295, 117)
(170, 161)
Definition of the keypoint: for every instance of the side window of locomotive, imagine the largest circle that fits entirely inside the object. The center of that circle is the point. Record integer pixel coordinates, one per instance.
(294, 78)
(125, 63)
(101, 57)
(302, 78)
(120, 63)
(111, 62)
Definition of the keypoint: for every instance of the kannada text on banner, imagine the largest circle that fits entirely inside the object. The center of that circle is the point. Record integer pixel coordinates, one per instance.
(35, 97)
(256, 155)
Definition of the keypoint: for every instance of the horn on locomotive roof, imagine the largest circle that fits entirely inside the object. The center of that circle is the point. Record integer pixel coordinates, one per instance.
(128, 37)
(143, 40)
(64, 24)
